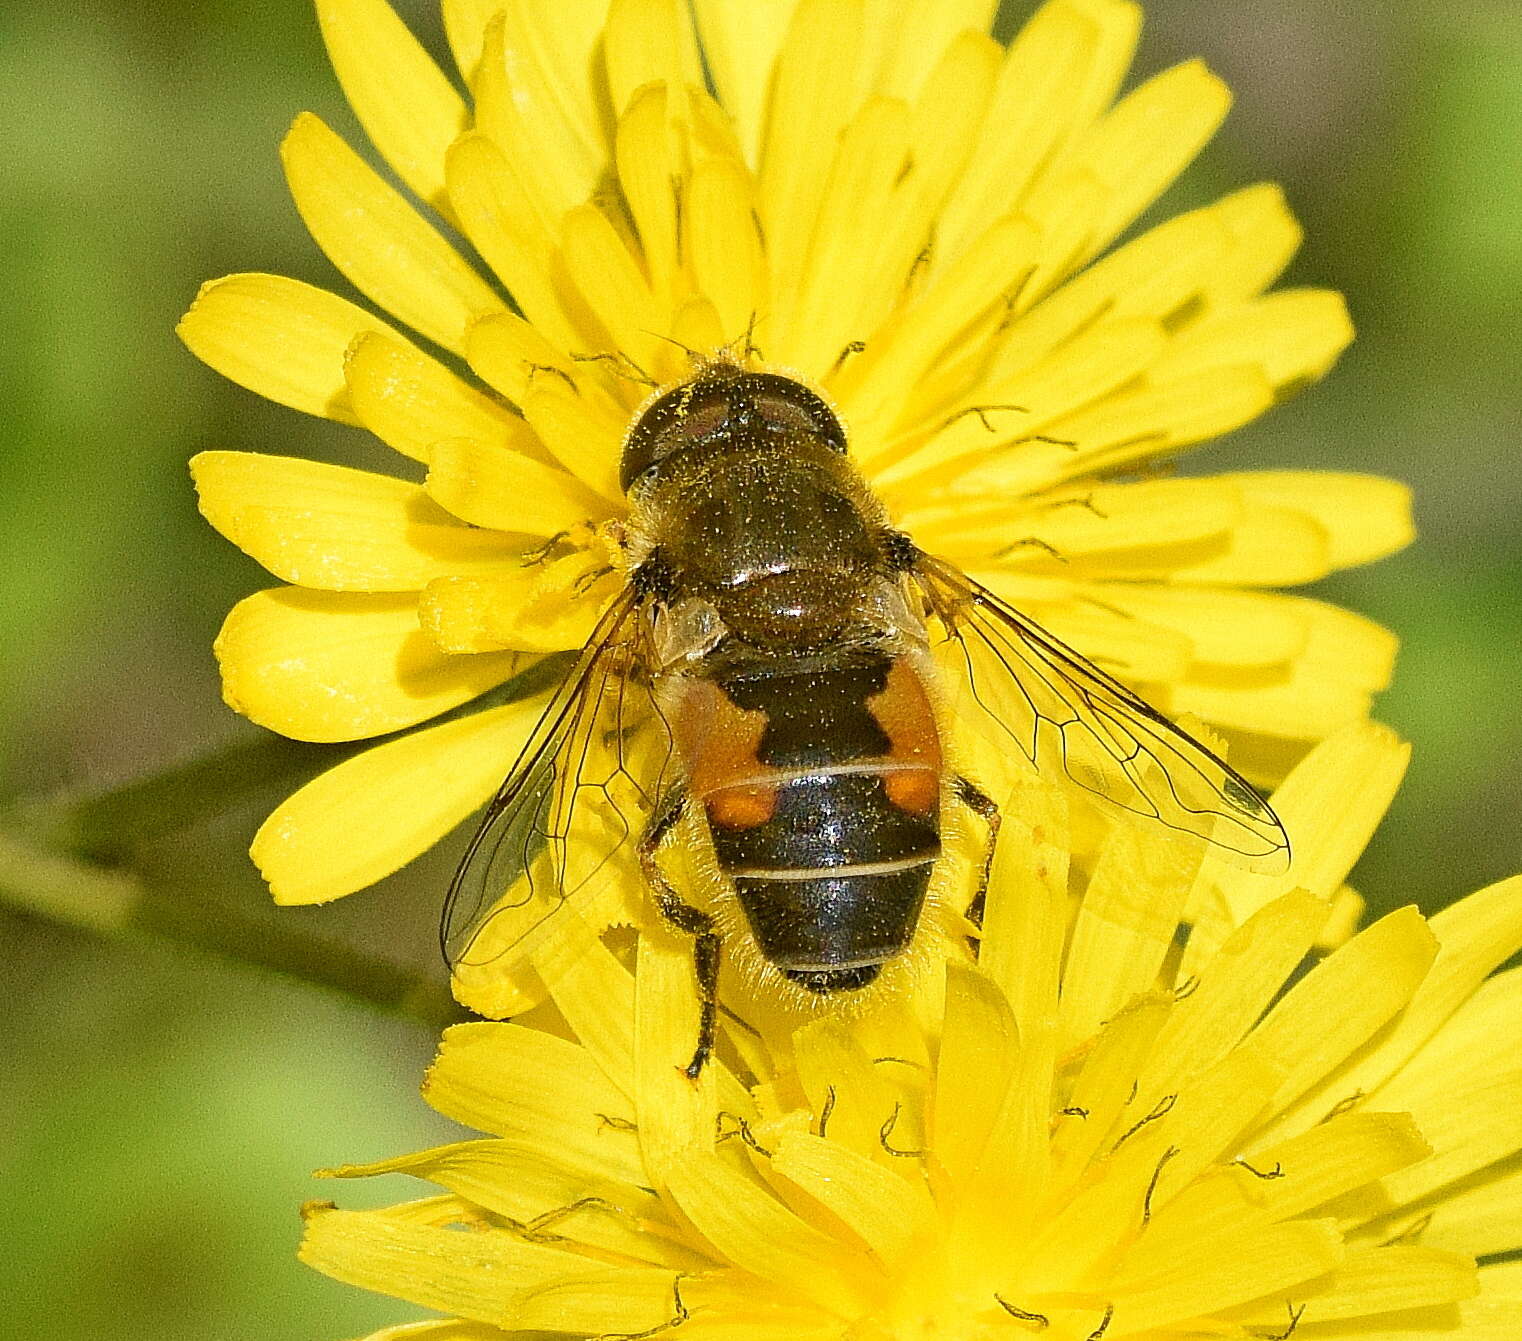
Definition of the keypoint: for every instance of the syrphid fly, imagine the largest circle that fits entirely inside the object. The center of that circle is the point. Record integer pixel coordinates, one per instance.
(771, 648)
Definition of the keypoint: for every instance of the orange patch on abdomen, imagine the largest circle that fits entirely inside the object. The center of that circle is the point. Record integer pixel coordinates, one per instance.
(740, 807)
(903, 711)
(915, 790)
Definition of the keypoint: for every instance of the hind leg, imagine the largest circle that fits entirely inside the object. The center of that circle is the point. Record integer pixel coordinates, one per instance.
(687, 919)
(986, 809)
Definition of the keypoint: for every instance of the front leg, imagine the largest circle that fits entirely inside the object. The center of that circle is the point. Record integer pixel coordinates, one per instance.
(685, 918)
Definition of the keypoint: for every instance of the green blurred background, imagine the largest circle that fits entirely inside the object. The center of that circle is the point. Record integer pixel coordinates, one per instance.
(161, 1108)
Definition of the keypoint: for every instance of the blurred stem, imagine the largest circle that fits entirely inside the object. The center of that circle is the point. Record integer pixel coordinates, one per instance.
(70, 860)
(108, 825)
(71, 890)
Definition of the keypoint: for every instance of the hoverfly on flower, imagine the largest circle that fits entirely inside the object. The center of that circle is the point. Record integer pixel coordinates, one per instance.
(773, 634)
(927, 233)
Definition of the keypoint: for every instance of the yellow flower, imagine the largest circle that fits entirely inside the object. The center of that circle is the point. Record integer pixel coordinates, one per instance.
(886, 203)
(1101, 1129)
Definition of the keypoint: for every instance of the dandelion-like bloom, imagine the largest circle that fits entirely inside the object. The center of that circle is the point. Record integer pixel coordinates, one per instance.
(900, 211)
(1100, 1130)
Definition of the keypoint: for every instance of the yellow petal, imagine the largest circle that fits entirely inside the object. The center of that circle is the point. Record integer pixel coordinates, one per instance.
(495, 212)
(887, 1212)
(410, 401)
(408, 108)
(1364, 517)
(501, 1178)
(1031, 113)
(338, 529)
(1330, 805)
(1465, 1096)
(1328, 686)
(1263, 547)
(812, 324)
(1162, 275)
(1002, 416)
(1024, 926)
(1341, 1002)
(919, 39)
(946, 115)
(538, 606)
(331, 666)
(446, 1329)
(1263, 238)
(812, 97)
(1104, 1085)
(1232, 989)
(494, 1278)
(595, 993)
(611, 284)
(379, 241)
(1118, 23)
(831, 1061)
(1126, 428)
(677, 1116)
(511, 354)
(1125, 925)
(1268, 1263)
(648, 153)
(1318, 1167)
(1375, 1281)
(1293, 335)
(1083, 527)
(580, 433)
(524, 947)
(1483, 1218)
(1347, 915)
(1208, 1121)
(521, 106)
(722, 241)
(372, 814)
(1138, 149)
(490, 484)
(1134, 427)
(1224, 628)
(755, 1231)
(648, 41)
(740, 44)
(1136, 651)
(280, 338)
(901, 353)
(465, 27)
(554, 54)
(979, 1046)
(541, 1093)
(1475, 937)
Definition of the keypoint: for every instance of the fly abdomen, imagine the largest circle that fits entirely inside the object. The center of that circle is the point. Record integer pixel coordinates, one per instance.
(831, 868)
(821, 786)
(834, 931)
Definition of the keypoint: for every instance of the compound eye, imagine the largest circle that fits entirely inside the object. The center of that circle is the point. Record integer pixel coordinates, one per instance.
(791, 407)
(704, 416)
(686, 414)
(786, 416)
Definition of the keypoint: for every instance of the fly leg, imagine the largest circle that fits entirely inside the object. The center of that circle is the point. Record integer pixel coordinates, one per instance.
(987, 810)
(685, 918)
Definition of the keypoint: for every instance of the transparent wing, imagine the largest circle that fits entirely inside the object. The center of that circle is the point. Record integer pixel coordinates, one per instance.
(580, 788)
(1063, 711)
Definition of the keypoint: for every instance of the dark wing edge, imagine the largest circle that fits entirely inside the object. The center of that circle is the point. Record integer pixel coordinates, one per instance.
(1110, 741)
(525, 828)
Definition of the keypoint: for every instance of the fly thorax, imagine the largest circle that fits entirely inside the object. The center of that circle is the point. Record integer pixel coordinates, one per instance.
(797, 610)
